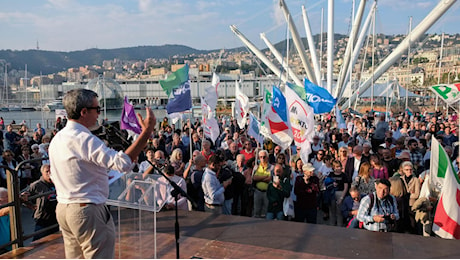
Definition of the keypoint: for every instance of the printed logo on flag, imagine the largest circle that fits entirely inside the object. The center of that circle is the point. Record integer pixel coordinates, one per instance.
(299, 127)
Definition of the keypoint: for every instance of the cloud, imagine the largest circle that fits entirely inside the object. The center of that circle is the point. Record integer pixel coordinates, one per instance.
(277, 14)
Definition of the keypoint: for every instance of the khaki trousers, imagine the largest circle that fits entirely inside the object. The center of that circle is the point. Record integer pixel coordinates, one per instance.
(87, 229)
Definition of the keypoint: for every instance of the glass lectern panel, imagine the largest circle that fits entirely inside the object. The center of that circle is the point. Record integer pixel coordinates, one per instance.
(134, 206)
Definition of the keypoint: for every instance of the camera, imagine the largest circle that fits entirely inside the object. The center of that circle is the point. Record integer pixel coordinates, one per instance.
(388, 219)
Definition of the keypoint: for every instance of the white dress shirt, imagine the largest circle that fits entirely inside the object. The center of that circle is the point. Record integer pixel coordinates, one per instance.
(80, 162)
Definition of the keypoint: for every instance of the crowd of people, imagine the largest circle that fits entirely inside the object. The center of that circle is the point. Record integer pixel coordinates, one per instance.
(365, 175)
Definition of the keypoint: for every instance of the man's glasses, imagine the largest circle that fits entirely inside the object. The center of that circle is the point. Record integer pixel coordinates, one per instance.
(98, 109)
(263, 156)
(320, 153)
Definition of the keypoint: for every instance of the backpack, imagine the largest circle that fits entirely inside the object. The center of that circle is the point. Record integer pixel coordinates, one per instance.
(390, 226)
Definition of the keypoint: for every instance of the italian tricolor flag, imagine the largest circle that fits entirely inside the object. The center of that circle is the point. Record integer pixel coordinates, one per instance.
(447, 217)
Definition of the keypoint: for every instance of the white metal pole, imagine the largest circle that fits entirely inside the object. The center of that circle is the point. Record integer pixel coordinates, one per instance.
(297, 42)
(356, 23)
(311, 44)
(330, 44)
(279, 58)
(373, 63)
(321, 48)
(408, 63)
(439, 69)
(258, 53)
(418, 32)
(359, 43)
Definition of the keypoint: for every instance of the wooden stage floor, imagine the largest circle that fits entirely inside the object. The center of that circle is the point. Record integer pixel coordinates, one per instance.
(203, 235)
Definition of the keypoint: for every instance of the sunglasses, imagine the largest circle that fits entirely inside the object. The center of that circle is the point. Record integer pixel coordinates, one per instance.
(263, 156)
(98, 109)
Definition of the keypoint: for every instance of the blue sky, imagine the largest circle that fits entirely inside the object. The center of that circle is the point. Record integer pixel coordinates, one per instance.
(67, 25)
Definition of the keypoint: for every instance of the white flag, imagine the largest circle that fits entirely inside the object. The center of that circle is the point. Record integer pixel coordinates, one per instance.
(211, 95)
(272, 126)
(449, 93)
(210, 125)
(241, 106)
(301, 117)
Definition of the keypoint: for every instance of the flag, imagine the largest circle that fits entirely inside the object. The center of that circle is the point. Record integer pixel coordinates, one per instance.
(254, 129)
(241, 106)
(447, 217)
(210, 125)
(448, 92)
(317, 97)
(438, 168)
(272, 126)
(279, 103)
(339, 118)
(302, 121)
(129, 119)
(211, 95)
(177, 88)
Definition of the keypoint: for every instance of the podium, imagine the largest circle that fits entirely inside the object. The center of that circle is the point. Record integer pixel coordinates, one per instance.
(134, 206)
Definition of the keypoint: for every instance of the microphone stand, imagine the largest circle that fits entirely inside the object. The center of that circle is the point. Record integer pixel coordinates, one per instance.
(175, 193)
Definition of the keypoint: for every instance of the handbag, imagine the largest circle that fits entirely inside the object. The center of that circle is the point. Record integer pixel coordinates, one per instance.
(288, 207)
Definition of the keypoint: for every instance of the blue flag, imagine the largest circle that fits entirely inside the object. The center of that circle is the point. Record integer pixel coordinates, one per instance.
(318, 98)
(177, 87)
(279, 103)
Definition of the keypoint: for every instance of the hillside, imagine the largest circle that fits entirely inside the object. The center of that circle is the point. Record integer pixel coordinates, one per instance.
(52, 61)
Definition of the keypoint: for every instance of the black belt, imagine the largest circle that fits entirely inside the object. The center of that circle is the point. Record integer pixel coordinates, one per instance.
(260, 190)
(214, 205)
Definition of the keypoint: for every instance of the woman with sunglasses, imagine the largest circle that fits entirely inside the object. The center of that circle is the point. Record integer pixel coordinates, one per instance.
(262, 175)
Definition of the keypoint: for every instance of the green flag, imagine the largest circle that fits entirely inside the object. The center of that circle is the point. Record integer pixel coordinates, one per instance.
(174, 80)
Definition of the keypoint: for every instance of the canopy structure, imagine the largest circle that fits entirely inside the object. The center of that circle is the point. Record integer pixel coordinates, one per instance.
(391, 90)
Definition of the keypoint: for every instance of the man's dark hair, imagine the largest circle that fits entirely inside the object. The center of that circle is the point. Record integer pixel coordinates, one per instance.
(384, 182)
(77, 99)
(214, 159)
(169, 170)
(411, 141)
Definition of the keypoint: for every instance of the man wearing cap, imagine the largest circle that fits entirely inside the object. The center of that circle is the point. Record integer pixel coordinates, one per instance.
(306, 189)
(379, 210)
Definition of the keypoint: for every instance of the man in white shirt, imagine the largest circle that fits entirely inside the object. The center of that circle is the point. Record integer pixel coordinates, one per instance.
(165, 188)
(79, 169)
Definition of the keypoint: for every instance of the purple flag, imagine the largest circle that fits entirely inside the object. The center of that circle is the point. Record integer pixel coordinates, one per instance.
(129, 118)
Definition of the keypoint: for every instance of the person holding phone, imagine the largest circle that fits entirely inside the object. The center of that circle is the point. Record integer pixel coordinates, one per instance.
(278, 189)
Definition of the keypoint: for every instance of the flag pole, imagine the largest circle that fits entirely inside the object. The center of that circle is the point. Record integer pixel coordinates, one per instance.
(190, 134)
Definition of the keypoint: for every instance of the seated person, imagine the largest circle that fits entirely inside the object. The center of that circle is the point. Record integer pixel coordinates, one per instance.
(350, 206)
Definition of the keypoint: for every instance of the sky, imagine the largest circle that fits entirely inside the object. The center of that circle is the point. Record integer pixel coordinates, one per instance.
(69, 25)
